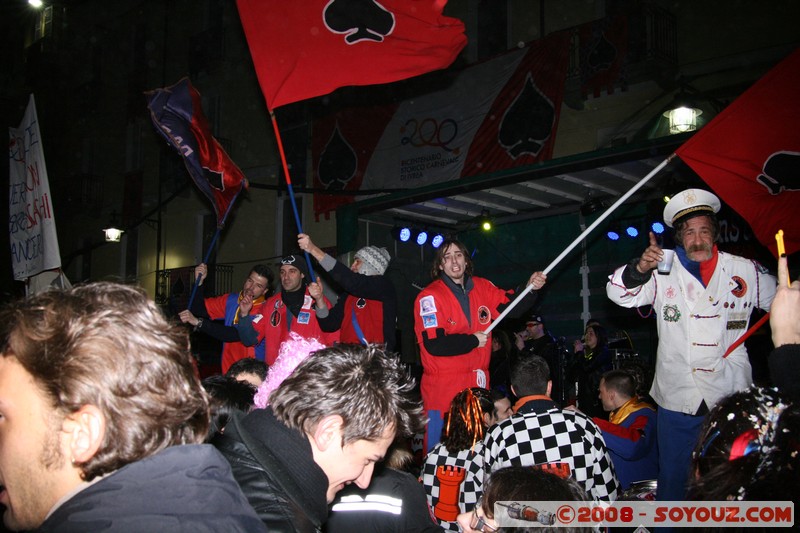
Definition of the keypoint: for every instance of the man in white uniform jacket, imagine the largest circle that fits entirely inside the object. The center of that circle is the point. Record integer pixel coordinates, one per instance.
(702, 307)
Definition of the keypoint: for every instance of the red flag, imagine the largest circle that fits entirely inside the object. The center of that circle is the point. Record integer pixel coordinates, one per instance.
(308, 48)
(177, 114)
(750, 155)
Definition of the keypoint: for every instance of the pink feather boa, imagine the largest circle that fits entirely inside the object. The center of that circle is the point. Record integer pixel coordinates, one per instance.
(291, 353)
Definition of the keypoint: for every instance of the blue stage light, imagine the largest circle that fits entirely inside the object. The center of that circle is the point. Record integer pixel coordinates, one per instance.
(612, 235)
(437, 240)
(422, 237)
(405, 234)
(657, 227)
(632, 231)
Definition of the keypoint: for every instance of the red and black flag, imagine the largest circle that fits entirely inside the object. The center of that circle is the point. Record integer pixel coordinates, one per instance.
(177, 114)
(303, 49)
(750, 155)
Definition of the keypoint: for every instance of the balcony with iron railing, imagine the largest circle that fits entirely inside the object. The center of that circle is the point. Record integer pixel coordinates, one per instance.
(174, 285)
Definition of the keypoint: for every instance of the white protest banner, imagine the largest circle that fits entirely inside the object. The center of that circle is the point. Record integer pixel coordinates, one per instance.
(31, 224)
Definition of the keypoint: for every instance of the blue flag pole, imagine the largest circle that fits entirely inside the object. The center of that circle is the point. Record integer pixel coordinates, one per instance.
(196, 283)
(291, 191)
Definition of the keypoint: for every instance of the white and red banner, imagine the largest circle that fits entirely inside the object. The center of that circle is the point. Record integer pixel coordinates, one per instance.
(750, 155)
(32, 226)
(495, 115)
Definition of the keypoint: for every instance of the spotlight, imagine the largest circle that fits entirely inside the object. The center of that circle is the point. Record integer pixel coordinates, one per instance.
(657, 228)
(401, 233)
(632, 231)
(484, 221)
(422, 237)
(437, 240)
(612, 234)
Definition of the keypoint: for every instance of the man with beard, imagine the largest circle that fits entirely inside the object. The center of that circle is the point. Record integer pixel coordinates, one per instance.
(295, 308)
(257, 287)
(702, 307)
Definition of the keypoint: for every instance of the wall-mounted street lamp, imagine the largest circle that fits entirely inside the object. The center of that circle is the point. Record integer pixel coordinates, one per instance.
(682, 118)
(113, 233)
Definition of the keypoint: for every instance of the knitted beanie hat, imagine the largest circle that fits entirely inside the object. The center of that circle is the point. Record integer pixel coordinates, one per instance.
(374, 260)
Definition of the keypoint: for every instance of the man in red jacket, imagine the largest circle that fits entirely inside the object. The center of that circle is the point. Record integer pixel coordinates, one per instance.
(295, 308)
(217, 316)
(450, 318)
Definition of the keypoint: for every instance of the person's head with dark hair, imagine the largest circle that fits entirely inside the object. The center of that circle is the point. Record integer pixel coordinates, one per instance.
(465, 422)
(226, 397)
(99, 380)
(616, 388)
(351, 401)
(293, 273)
(259, 284)
(595, 337)
(749, 449)
(502, 406)
(265, 272)
(519, 484)
(452, 258)
(248, 369)
(501, 343)
(531, 376)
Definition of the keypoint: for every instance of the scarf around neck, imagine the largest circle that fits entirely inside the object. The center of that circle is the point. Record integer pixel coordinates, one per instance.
(619, 415)
(702, 270)
(258, 301)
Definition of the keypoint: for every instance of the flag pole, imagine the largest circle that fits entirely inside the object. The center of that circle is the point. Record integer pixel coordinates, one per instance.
(213, 242)
(291, 191)
(582, 236)
(746, 335)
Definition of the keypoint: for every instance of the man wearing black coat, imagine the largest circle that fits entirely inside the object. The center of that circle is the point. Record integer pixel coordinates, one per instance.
(327, 425)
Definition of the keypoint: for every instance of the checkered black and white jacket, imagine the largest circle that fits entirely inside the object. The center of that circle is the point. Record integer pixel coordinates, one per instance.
(471, 460)
(563, 441)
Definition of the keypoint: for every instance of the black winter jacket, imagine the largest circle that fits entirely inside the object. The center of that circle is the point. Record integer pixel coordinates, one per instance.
(180, 489)
(275, 468)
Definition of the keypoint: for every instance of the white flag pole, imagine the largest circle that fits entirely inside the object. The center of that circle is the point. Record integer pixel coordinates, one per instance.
(582, 236)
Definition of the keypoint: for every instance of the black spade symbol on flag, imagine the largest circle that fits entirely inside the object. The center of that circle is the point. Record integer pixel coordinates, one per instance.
(337, 163)
(528, 122)
(361, 20)
(781, 172)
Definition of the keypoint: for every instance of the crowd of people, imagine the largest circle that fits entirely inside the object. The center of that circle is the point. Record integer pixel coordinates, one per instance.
(105, 424)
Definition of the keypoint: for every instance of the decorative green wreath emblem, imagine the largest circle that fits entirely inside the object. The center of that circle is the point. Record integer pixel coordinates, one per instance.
(672, 313)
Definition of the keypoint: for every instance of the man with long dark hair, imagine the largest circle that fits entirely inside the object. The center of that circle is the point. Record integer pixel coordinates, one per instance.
(450, 320)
